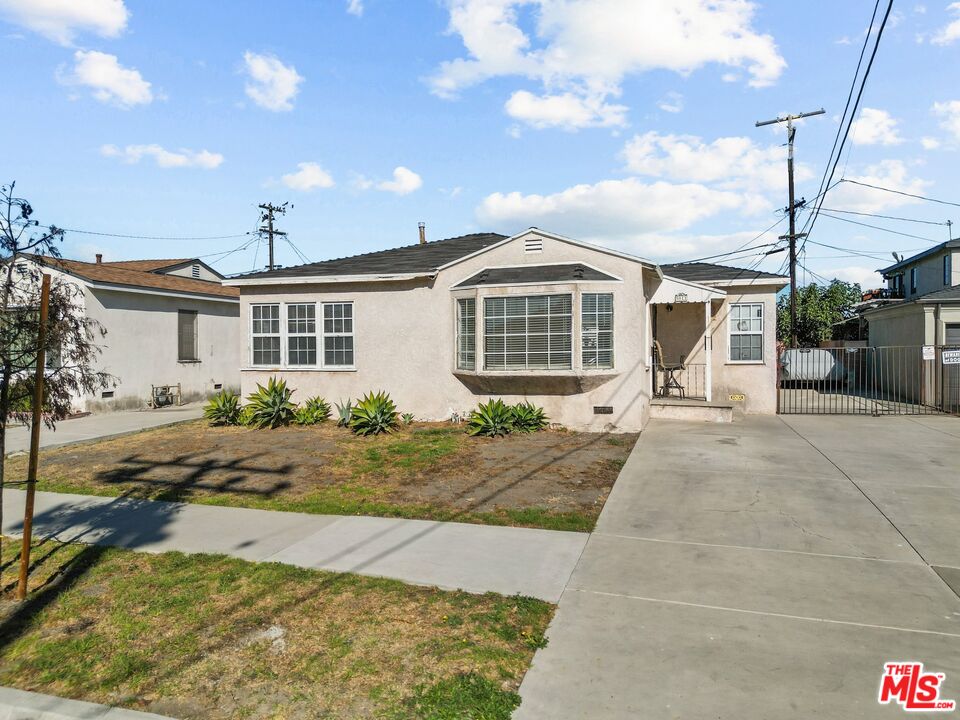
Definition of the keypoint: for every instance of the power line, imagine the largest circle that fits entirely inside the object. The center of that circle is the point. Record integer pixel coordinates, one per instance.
(741, 248)
(900, 192)
(878, 227)
(863, 84)
(146, 237)
(886, 217)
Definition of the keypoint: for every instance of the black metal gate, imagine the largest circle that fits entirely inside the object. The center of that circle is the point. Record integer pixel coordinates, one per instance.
(908, 380)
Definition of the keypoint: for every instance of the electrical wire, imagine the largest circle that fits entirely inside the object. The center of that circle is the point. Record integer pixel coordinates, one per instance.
(146, 237)
(900, 192)
(877, 227)
(741, 248)
(886, 217)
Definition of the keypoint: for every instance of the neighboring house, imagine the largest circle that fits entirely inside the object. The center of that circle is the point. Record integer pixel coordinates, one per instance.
(567, 325)
(924, 303)
(168, 322)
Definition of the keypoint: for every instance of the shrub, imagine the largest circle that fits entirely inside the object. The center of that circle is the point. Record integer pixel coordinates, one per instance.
(344, 413)
(493, 418)
(270, 406)
(314, 410)
(528, 418)
(223, 409)
(407, 418)
(373, 414)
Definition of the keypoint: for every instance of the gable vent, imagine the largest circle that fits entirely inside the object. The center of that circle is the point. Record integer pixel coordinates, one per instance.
(533, 245)
(195, 271)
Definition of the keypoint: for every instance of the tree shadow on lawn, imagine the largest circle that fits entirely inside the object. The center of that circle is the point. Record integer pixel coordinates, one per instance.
(194, 475)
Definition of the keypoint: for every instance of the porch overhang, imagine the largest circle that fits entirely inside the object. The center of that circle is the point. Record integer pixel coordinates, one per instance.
(674, 290)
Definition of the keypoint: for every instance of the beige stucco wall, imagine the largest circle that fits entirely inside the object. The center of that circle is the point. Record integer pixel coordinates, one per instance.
(140, 347)
(404, 338)
(909, 324)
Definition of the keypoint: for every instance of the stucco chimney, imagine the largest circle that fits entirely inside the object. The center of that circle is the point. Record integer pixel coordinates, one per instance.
(99, 258)
(423, 232)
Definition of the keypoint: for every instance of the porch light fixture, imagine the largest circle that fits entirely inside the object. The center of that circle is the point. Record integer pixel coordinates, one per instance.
(680, 298)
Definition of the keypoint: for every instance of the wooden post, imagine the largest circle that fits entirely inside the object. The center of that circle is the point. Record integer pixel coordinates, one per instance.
(34, 439)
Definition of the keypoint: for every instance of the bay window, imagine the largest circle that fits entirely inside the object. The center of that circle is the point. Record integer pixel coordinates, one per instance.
(466, 334)
(532, 332)
(596, 330)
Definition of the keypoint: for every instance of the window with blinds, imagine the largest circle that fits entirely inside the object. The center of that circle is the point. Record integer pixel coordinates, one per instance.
(596, 330)
(532, 332)
(187, 336)
(467, 334)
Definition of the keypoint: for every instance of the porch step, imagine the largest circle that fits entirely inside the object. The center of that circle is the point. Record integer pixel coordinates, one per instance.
(693, 410)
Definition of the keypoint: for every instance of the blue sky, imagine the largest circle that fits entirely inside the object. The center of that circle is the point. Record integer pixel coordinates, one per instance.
(623, 122)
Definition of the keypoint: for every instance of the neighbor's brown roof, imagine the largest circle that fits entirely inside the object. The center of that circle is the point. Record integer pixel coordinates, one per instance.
(111, 274)
(148, 265)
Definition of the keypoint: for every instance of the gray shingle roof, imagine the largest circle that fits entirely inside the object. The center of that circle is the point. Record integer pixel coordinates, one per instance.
(410, 259)
(707, 272)
(949, 244)
(534, 274)
(946, 295)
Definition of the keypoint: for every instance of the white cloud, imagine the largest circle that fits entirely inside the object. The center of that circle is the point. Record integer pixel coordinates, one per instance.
(587, 47)
(62, 20)
(891, 174)
(404, 182)
(730, 162)
(672, 103)
(272, 84)
(951, 31)
(866, 278)
(929, 143)
(309, 176)
(133, 154)
(614, 210)
(109, 81)
(566, 110)
(875, 127)
(355, 7)
(950, 112)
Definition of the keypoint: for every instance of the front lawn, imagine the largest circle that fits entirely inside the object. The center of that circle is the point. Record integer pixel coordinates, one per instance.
(211, 637)
(551, 479)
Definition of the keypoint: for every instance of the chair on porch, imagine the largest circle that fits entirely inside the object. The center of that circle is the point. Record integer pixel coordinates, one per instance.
(670, 381)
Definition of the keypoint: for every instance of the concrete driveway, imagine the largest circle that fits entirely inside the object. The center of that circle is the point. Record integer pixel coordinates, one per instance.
(762, 569)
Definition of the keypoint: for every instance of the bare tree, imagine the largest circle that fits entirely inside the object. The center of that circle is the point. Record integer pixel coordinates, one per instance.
(26, 248)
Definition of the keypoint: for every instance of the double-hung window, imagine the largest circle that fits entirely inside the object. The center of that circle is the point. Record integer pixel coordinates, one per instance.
(596, 330)
(265, 334)
(466, 334)
(338, 334)
(746, 332)
(302, 334)
(528, 332)
(187, 350)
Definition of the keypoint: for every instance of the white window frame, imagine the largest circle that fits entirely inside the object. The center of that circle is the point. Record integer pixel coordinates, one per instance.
(527, 369)
(324, 335)
(298, 334)
(460, 336)
(731, 331)
(279, 334)
(585, 334)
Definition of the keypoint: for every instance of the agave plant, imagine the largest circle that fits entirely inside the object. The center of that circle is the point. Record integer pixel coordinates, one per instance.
(493, 418)
(528, 418)
(407, 418)
(344, 412)
(373, 414)
(314, 410)
(223, 409)
(270, 406)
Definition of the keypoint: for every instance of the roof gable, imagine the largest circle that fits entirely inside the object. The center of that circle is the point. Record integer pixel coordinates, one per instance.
(533, 274)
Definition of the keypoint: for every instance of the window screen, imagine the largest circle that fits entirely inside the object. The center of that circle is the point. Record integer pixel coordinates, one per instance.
(528, 333)
(746, 332)
(302, 334)
(187, 335)
(338, 334)
(466, 334)
(596, 333)
(265, 334)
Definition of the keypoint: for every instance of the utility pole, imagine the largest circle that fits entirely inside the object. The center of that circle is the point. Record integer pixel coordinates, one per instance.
(792, 209)
(269, 210)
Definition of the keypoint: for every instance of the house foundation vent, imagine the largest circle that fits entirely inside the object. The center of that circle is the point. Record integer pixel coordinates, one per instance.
(603, 409)
(534, 245)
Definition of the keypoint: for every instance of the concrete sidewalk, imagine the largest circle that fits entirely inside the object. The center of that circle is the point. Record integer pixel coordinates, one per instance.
(737, 572)
(93, 427)
(476, 558)
(22, 705)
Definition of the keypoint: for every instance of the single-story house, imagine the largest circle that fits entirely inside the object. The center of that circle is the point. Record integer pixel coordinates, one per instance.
(565, 324)
(167, 322)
